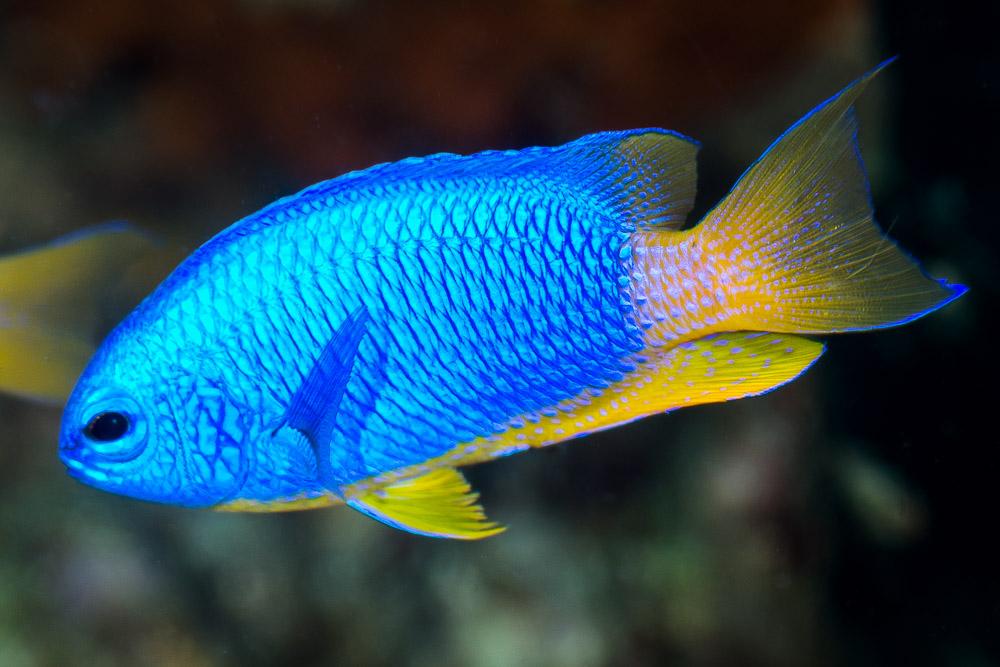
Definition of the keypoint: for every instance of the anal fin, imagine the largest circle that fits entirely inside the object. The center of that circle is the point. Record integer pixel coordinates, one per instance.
(439, 503)
(716, 368)
(728, 366)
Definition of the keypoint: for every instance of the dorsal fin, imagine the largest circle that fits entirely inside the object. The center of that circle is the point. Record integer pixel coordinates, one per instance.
(648, 176)
(660, 178)
(439, 503)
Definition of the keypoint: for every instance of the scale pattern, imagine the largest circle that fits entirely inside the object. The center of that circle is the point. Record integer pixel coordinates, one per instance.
(495, 289)
(511, 299)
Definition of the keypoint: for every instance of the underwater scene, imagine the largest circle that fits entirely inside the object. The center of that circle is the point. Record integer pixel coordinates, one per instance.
(570, 333)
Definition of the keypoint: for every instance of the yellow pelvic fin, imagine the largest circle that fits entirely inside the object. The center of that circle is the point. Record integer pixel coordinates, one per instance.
(439, 503)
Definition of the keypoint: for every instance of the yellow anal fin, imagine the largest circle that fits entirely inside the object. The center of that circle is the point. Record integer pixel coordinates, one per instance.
(720, 367)
(439, 503)
(716, 368)
(434, 499)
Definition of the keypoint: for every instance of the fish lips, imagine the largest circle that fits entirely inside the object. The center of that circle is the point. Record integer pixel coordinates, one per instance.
(94, 461)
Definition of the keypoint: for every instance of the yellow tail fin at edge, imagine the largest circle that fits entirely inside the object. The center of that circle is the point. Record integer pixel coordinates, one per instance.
(50, 305)
(796, 241)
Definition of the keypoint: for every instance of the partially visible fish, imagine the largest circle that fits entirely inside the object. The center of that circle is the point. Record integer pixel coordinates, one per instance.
(53, 298)
(359, 341)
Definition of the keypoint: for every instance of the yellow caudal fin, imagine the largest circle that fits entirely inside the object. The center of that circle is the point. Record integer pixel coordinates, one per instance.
(796, 243)
(53, 298)
(439, 503)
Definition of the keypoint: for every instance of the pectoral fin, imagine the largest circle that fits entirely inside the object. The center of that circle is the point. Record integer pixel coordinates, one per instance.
(437, 504)
(313, 409)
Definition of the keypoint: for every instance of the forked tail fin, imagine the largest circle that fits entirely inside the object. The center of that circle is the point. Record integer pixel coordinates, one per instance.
(798, 242)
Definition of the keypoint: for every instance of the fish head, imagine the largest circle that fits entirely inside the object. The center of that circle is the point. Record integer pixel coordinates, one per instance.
(144, 424)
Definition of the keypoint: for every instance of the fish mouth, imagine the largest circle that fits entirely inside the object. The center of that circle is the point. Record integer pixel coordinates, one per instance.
(84, 473)
(88, 472)
(69, 450)
(74, 468)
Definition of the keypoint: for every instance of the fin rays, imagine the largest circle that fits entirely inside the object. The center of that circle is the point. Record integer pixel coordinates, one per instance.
(799, 234)
(439, 503)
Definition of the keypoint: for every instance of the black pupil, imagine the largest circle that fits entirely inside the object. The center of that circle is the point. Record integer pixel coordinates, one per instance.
(107, 426)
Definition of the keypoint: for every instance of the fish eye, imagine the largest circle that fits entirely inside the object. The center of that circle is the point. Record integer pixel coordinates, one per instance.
(107, 426)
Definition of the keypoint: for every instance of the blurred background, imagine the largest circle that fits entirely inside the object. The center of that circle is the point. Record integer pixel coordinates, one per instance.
(847, 519)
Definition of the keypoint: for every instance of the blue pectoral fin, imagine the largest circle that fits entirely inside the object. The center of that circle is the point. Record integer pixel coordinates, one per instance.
(313, 408)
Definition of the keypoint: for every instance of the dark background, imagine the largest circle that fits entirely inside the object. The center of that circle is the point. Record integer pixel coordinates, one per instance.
(847, 519)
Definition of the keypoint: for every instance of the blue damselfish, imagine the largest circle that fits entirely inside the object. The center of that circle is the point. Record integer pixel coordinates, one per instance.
(358, 341)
